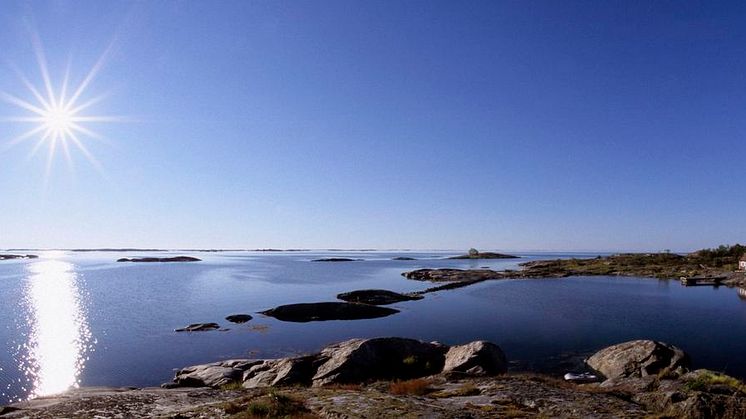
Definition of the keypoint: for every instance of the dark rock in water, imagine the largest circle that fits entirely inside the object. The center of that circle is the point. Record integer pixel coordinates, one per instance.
(308, 312)
(476, 358)
(453, 275)
(8, 257)
(199, 327)
(376, 297)
(154, 259)
(335, 260)
(639, 358)
(360, 360)
(403, 258)
(239, 318)
(485, 255)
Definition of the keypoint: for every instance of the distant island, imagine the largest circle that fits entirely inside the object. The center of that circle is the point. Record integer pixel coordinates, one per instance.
(476, 254)
(154, 259)
(9, 257)
(721, 263)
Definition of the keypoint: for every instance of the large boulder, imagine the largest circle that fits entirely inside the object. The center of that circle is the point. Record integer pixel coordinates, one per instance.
(359, 360)
(215, 374)
(376, 297)
(476, 358)
(281, 372)
(351, 361)
(639, 358)
(307, 312)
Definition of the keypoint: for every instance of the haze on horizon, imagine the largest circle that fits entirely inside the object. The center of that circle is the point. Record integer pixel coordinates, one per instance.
(350, 124)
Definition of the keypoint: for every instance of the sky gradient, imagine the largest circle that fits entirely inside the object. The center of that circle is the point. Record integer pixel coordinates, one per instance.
(504, 125)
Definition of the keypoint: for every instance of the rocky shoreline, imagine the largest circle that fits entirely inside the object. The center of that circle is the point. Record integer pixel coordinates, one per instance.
(396, 377)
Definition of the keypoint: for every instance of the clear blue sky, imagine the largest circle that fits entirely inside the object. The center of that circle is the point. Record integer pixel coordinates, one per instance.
(389, 124)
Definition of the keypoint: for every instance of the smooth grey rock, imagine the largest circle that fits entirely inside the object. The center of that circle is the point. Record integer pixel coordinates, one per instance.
(281, 372)
(639, 358)
(215, 374)
(476, 358)
(360, 360)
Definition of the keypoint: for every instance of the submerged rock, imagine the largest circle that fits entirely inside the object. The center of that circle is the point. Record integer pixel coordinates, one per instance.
(476, 358)
(639, 358)
(154, 259)
(376, 297)
(199, 327)
(335, 260)
(239, 318)
(307, 312)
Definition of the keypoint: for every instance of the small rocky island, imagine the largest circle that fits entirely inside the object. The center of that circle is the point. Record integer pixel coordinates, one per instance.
(475, 254)
(398, 377)
(156, 259)
(308, 312)
(376, 297)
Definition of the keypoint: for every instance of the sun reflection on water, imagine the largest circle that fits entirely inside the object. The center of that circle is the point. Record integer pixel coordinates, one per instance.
(59, 338)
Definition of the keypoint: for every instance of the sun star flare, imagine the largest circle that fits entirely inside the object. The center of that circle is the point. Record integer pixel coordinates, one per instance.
(56, 117)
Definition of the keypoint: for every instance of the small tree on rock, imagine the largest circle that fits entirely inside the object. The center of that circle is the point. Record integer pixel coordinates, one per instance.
(473, 253)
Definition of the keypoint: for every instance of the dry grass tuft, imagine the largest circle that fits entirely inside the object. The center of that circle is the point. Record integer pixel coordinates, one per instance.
(267, 406)
(416, 387)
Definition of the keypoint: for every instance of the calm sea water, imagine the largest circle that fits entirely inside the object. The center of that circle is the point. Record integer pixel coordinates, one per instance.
(83, 319)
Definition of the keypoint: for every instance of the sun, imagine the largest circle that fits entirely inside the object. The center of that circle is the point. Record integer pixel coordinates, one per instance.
(58, 120)
(57, 116)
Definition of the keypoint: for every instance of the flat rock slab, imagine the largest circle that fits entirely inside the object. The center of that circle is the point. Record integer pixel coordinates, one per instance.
(505, 396)
(308, 312)
(239, 318)
(376, 297)
(154, 259)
